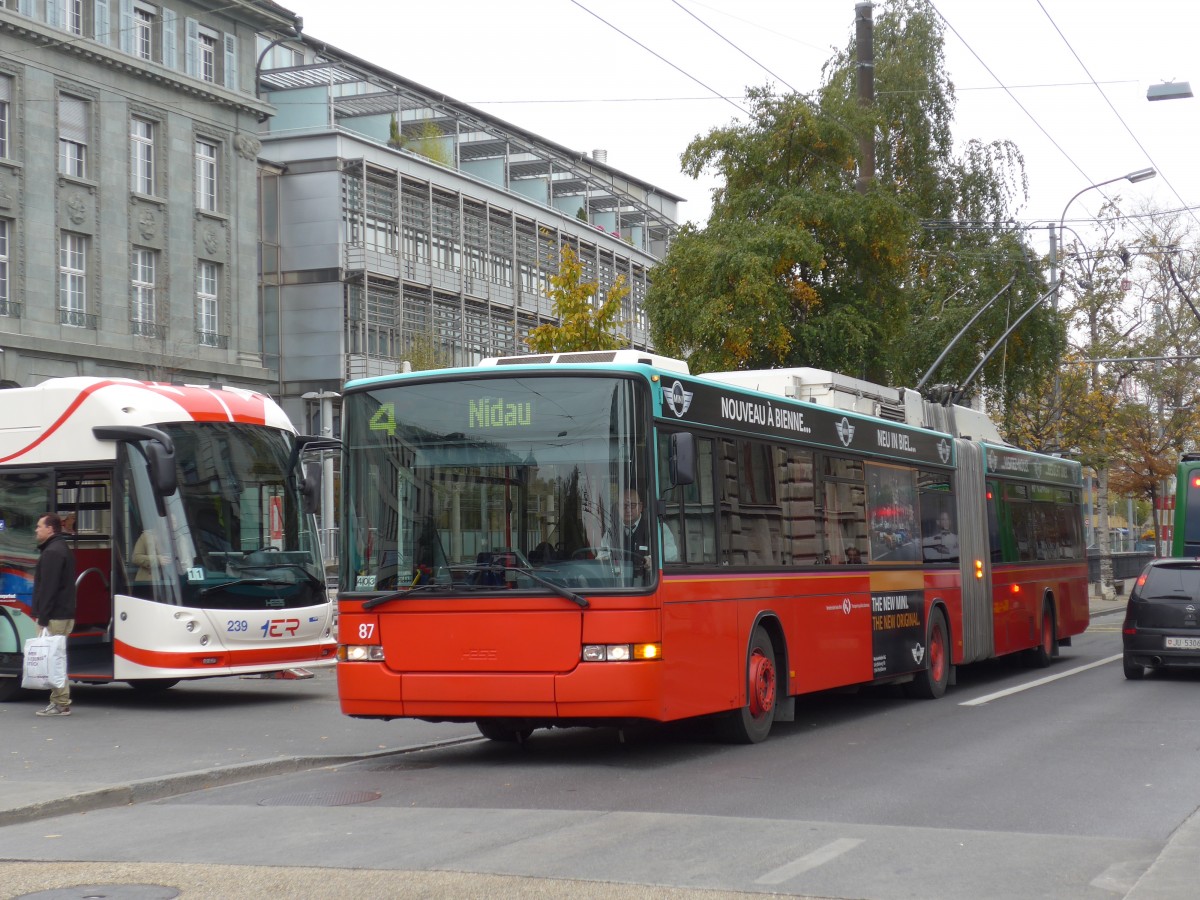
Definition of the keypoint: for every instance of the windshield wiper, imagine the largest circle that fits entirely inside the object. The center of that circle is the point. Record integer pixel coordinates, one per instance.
(273, 582)
(404, 592)
(566, 593)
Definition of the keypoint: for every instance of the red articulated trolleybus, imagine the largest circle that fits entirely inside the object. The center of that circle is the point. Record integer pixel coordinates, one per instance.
(195, 546)
(792, 531)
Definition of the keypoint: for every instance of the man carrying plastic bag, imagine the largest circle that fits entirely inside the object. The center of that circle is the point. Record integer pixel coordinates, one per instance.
(54, 604)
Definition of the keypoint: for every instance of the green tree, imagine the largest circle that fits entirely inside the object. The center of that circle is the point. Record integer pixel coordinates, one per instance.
(586, 321)
(797, 267)
(426, 353)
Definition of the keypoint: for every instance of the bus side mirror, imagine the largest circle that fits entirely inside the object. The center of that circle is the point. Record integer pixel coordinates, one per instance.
(683, 458)
(162, 468)
(310, 488)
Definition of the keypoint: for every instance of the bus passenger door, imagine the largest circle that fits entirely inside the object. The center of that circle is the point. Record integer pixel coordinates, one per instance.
(84, 502)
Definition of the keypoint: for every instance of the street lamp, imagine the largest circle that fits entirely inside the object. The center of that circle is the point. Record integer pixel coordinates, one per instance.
(1133, 178)
(1172, 90)
(327, 526)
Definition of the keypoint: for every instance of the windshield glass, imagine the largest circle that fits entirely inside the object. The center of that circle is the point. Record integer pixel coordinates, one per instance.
(453, 483)
(234, 534)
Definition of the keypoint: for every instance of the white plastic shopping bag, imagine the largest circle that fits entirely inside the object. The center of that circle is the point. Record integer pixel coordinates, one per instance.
(45, 662)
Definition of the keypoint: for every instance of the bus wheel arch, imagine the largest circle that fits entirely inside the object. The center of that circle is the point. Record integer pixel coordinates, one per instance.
(765, 685)
(931, 682)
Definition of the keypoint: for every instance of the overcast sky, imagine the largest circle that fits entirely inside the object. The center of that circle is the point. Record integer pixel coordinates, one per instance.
(1065, 79)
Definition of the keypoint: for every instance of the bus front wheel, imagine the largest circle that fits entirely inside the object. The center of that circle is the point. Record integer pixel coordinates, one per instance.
(752, 723)
(930, 684)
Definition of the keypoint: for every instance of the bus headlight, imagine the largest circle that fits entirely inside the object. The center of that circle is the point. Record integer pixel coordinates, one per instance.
(360, 653)
(620, 652)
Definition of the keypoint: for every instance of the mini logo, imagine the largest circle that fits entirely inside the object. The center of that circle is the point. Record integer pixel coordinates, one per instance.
(845, 431)
(678, 399)
(944, 450)
(846, 606)
(918, 652)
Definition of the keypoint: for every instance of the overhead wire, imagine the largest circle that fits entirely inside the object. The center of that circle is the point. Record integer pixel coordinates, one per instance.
(660, 57)
(1083, 65)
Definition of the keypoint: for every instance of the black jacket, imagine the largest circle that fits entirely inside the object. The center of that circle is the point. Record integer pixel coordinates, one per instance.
(54, 581)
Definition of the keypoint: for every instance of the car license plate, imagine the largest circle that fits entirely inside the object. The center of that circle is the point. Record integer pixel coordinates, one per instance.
(1182, 643)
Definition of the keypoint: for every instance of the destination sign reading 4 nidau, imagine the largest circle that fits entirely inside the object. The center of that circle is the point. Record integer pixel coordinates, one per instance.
(692, 401)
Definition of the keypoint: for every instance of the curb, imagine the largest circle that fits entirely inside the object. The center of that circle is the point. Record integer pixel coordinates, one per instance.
(163, 786)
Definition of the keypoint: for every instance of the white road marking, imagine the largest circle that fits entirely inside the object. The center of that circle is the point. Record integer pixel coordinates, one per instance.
(809, 861)
(988, 698)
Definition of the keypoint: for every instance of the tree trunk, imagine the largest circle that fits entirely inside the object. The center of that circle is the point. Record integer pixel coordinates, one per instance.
(1104, 538)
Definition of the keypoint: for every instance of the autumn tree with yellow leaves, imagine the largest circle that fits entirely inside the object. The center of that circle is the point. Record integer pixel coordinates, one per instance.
(587, 321)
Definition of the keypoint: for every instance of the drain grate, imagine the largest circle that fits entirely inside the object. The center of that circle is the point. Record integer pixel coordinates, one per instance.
(321, 798)
(107, 892)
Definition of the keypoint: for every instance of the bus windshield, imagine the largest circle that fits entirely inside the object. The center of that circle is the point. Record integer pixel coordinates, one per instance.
(235, 534)
(500, 482)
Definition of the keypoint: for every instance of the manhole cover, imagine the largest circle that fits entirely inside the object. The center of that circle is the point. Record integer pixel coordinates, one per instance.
(322, 798)
(106, 892)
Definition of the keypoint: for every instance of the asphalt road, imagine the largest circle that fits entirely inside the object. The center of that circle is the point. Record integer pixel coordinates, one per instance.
(1011, 785)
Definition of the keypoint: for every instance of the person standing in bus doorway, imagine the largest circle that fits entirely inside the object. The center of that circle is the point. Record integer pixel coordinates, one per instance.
(54, 595)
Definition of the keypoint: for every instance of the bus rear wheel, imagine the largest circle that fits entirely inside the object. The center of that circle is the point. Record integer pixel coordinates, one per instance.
(1043, 654)
(752, 723)
(930, 684)
(495, 730)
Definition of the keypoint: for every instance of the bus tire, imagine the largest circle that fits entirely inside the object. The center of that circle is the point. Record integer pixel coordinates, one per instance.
(495, 730)
(930, 683)
(752, 723)
(1043, 654)
(153, 685)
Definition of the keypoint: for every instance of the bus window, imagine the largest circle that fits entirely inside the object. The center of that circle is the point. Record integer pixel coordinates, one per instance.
(939, 528)
(892, 513)
(689, 511)
(845, 508)
(801, 544)
(24, 496)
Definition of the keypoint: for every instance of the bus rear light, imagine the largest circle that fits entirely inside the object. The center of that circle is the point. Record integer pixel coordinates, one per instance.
(360, 653)
(620, 652)
(1016, 588)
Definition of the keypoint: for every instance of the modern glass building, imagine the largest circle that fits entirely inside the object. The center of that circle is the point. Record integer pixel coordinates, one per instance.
(400, 224)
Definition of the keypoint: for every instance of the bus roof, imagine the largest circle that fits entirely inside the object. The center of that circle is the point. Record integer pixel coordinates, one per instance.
(53, 421)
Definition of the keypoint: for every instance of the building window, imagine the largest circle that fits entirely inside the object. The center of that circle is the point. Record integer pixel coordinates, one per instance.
(5, 113)
(143, 265)
(143, 32)
(72, 13)
(206, 175)
(207, 49)
(72, 279)
(74, 118)
(141, 134)
(208, 323)
(5, 308)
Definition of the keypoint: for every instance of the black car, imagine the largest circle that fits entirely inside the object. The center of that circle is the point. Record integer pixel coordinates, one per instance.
(1162, 620)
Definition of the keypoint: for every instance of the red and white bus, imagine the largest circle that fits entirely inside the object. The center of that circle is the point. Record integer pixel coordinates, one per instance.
(809, 531)
(195, 546)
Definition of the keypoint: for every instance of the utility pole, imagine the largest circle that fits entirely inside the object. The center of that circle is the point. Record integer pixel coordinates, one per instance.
(865, 51)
